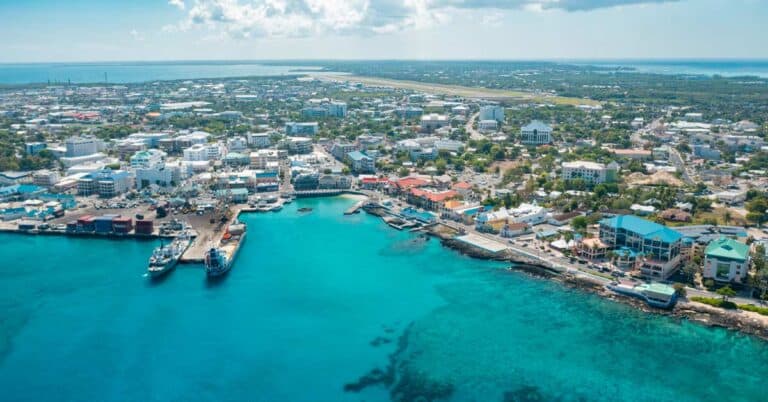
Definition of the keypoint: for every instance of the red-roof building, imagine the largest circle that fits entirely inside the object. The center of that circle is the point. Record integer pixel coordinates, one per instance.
(430, 200)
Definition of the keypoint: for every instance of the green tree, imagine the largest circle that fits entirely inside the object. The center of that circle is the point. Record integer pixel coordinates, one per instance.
(726, 292)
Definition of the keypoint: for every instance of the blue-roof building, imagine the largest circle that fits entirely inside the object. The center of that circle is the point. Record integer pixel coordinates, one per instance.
(658, 245)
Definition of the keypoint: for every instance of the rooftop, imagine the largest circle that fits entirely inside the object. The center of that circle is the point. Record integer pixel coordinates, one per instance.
(645, 228)
(727, 248)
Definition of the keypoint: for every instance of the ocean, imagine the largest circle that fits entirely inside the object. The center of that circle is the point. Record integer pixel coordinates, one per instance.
(315, 301)
(725, 68)
(135, 72)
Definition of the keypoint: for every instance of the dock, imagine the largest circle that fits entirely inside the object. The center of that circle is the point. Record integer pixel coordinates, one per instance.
(355, 208)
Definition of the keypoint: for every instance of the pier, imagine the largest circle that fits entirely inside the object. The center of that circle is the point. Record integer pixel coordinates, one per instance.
(355, 208)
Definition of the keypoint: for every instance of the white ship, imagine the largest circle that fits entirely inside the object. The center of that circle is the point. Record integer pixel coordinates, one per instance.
(218, 260)
(166, 257)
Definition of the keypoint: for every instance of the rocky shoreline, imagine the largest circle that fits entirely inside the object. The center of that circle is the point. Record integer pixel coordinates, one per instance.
(736, 320)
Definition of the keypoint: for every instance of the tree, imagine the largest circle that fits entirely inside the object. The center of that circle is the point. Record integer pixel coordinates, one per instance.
(579, 223)
(726, 291)
(680, 289)
(690, 269)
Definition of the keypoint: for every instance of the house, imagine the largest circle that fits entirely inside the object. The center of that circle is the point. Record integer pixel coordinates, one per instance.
(591, 249)
(676, 215)
(658, 245)
(515, 229)
(726, 260)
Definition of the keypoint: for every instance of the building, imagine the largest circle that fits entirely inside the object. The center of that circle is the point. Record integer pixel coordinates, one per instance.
(46, 178)
(147, 159)
(591, 249)
(340, 150)
(259, 140)
(337, 109)
(536, 133)
(262, 158)
(657, 245)
(433, 121)
(33, 148)
(487, 125)
(160, 174)
(590, 172)
(300, 145)
(202, 152)
(361, 163)
(82, 146)
(105, 183)
(237, 144)
(726, 260)
(706, 152)
(314, 112)
(492, 112)
(302, 129)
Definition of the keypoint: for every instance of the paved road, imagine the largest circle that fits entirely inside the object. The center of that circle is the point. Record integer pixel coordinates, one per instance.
(470, 128)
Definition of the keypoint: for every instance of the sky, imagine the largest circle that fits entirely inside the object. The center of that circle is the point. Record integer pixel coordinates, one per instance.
(137, 30)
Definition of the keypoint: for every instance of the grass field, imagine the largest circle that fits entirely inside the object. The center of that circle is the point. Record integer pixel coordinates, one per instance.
(456, 90)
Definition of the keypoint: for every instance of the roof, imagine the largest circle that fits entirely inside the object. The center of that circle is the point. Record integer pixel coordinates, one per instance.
(408, 182)
(434, 197)
(647, 229)
(537, 125)
(357, 156)
(727, 248)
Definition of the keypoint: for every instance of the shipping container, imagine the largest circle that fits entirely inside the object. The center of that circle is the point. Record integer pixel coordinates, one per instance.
(103, 224)
(72, 226)
(144, 227)
(85, 224)
(122, 225)
(26, 225)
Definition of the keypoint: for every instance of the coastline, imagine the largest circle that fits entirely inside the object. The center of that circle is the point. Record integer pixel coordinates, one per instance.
(745, 322)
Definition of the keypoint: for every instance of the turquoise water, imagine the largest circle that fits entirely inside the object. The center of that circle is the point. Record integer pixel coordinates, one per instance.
(726, 68)
(133, 72)
(296, 318)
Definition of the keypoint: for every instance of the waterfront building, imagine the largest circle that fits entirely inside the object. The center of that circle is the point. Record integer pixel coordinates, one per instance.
(726, 260)
(536, 133)
(492, 112)
(428, 199)
(590, 172)
(301, 129)
(361, 163)
(514, 229)
(106, 183)
(658, 245)
(591, 249)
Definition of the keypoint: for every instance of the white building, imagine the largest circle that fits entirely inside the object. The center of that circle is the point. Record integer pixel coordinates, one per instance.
(433, 121)
(300, 145)
(202, 152)
(726, 260)
(590, 172)
(536, 133)
(161, 174)
(449, 145)
(82, 146)
(259, 140)
(237, 144)
(45, 178)
(487, 125)
(106, 183)
(147, 159)
(492, 112)
(262, 158)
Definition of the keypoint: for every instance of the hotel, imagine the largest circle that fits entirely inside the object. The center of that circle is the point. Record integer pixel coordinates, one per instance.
(657, 246)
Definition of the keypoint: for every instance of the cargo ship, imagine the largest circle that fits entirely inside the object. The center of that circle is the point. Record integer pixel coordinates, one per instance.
(166, 257)
(218, 260)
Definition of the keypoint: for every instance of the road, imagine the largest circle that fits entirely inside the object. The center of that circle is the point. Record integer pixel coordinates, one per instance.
(470, 128)
(676, 159)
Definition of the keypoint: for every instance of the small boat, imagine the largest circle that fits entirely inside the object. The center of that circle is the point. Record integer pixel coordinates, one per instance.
(166, 257)
(304, 209)
(276, 208)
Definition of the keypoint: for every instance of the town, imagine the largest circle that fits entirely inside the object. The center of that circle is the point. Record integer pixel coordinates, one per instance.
(656, 201)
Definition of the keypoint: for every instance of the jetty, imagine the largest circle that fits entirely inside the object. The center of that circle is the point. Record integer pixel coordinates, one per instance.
(355, 208)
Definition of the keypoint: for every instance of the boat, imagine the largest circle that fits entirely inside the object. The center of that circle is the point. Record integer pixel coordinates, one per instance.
(165, 257)
(276, 208)
(219, 259)
(305, 209)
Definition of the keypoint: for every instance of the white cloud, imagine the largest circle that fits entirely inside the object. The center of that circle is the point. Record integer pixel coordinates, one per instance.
(136, 35)
(301, 18)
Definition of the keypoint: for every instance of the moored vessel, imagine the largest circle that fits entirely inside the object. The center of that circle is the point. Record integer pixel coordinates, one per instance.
(219, 259)
(165, 257)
